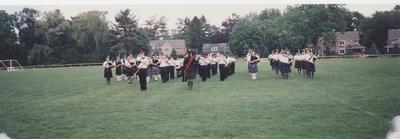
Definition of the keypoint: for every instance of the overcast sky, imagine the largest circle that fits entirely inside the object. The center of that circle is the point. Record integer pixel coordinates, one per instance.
(215, 14)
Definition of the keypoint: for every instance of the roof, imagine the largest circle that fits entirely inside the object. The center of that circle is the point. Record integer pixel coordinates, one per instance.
(394, 34)
(215, 44)
(356, 47)
(393, 44)
(173, 43)
(222, 47)
(352, 35)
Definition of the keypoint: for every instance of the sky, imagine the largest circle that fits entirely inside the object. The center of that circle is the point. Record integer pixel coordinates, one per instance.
(214, 13)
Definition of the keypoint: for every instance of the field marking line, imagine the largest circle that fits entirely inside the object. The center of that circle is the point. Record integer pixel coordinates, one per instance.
(347, 104)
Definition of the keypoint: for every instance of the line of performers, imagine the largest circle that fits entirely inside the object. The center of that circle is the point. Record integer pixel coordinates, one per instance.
(164, 67)
(304, 62)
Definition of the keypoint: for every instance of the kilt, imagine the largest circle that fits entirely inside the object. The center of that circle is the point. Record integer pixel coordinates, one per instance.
(252, 67)
(285, 68)
(303, 65)
(118, 70)
(297, 64)
(190, 75)
(311, 67)
(124, 70)
(107, 73)
(129, 71)
(154, 71)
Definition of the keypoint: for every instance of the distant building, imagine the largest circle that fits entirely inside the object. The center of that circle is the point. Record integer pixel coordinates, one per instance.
(345, 43)
(393, 40)
(215, 48)
(166, 47)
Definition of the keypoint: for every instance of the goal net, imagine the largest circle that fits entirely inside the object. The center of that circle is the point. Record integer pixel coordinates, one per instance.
(10, 65)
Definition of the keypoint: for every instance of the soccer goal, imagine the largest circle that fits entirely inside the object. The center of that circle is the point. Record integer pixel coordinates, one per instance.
(10, 65)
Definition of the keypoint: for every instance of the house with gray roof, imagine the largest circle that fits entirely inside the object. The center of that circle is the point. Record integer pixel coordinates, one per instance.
(393, 40)
(215, 48)
(166, 47)
(344, 43)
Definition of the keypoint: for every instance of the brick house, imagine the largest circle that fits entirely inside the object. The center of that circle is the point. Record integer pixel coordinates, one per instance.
(166, 47)
(345, 43)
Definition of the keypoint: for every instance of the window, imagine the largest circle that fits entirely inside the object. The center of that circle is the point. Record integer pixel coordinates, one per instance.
(215, 48)
(324, 43)
(341, 51)
(341, 43)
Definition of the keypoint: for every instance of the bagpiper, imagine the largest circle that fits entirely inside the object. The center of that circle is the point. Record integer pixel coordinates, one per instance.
(108, 65)
(190, 69)
(252, 62)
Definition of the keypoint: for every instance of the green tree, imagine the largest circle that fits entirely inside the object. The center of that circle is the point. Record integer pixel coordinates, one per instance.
(8, 46)
(130, 38)
(39, 54)
(25, 23)
(196, 32)
(89, 32)
(375, 29)
(156, 28)
(247, 34)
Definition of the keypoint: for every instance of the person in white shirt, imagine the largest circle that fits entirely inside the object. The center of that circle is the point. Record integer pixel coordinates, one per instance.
(131, 68)
(214, 65)
(108, 65)
(310, 59)
(171, 67)
(296, 59)
(164, 68)
(221, 65)
(231, 65)
(285, 62)
(178, 66)
(203, 67)
(143, 63)
(208, 70)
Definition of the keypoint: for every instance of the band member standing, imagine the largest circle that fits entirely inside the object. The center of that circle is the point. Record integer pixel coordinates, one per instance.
(153, 68)
(108, 65)
(214, 65)
(143, 63)
(203, 67)
(232, 59)
(285, 61)
(118, 69)
(230, 65)
(311, 64)
(208, 70)
(164, 68)
(124, 69)
(296, 59)
(179, 64)
(253, 60)
(131, 68)
(221, 66)
(171, 67)
(190, 69)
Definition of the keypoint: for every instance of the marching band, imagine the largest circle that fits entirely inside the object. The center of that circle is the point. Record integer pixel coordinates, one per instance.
(164, 67)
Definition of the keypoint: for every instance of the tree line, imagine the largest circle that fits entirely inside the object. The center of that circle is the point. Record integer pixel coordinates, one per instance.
(34, 37)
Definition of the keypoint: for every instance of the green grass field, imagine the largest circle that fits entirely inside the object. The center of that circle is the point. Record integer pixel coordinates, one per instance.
(348, 99)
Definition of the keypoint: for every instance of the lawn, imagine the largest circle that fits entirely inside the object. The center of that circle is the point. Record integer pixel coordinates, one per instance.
(348, 99)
